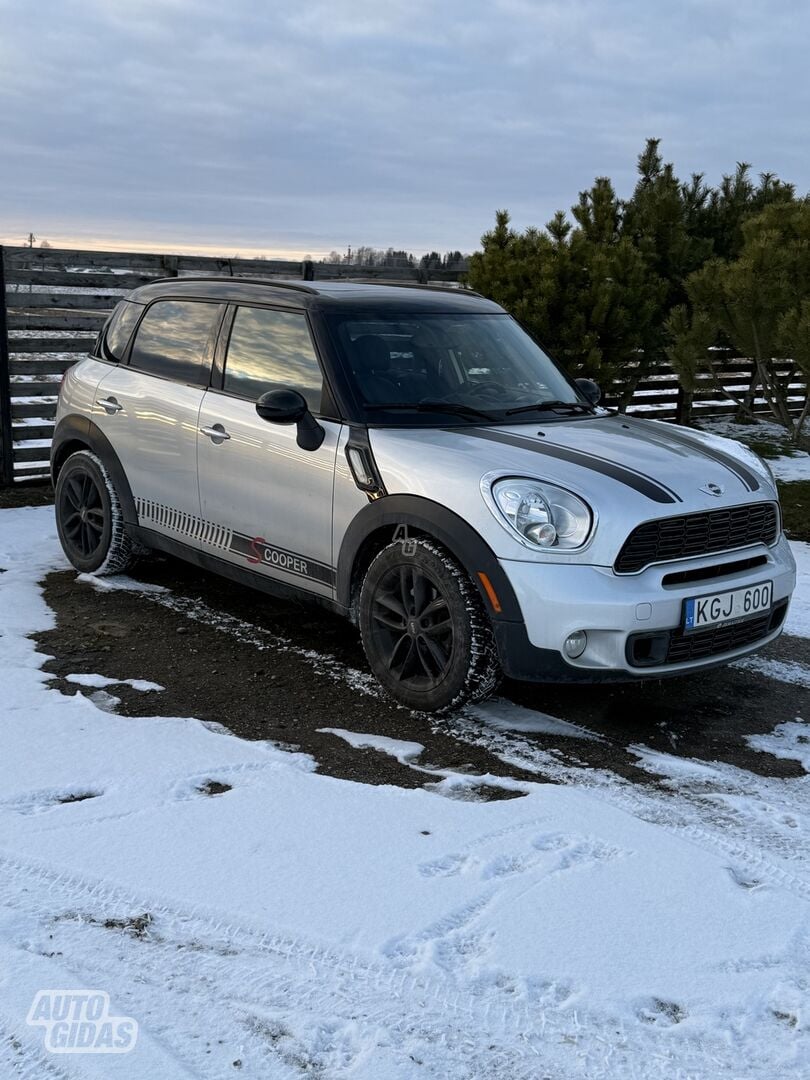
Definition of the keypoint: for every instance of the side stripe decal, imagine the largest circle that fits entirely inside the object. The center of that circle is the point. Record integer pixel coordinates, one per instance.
(178, 521)
(645, 485)
(254, 549)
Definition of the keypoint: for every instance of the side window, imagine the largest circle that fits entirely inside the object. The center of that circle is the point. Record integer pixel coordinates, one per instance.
(269, 350)
(115, 337)
(172, 340)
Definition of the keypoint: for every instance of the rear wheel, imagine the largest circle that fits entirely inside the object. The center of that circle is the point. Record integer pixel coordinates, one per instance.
(89, 518)
(424, 629)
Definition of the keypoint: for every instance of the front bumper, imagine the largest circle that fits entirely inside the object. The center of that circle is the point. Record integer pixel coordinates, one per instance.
(558, 599)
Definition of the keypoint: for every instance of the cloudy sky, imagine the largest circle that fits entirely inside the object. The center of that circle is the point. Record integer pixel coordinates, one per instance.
(297, 126)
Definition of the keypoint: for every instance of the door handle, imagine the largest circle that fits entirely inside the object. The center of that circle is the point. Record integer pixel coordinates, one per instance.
(110, 405)
(216, 434)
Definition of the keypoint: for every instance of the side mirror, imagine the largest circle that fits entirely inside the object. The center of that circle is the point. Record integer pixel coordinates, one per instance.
(290, 407)
(589, 390)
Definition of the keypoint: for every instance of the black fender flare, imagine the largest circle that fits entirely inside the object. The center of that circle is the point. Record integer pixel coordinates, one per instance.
(452, 531)
(80, 429)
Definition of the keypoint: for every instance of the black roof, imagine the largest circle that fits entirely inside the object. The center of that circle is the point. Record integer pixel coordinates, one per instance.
(323, 295)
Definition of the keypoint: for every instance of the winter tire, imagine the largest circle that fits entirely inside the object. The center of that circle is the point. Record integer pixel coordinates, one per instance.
(89, 518)
(425, 632)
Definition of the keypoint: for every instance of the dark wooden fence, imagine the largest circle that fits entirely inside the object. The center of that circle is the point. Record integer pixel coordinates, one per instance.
(54, 301)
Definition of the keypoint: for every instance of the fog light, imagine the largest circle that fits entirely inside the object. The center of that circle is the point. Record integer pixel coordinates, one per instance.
(575, 644)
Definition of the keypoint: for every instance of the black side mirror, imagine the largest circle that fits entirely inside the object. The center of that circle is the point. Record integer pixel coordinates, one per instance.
(290, 407)
(590, 390)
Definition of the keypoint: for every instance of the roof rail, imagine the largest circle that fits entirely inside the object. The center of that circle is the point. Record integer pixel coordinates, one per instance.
(235, 277)
(407, 285)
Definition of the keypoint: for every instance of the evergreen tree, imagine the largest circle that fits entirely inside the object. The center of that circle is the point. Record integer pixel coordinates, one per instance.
(759, 301)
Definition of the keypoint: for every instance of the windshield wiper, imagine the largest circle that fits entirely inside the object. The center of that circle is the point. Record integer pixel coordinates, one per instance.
(554, 406)
(431, 406)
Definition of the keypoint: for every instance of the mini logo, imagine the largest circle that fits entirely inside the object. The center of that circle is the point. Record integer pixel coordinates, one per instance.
(713, 489)
(79, 1022)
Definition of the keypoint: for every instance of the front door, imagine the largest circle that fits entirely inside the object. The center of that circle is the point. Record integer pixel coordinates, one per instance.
(269, 501)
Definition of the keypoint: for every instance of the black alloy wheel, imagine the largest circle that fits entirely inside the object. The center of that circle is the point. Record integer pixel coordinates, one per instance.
(82, 514)
(89, 519)
(412, 627)
(426, 634)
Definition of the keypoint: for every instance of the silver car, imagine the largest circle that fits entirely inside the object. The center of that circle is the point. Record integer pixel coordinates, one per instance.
(411, 458)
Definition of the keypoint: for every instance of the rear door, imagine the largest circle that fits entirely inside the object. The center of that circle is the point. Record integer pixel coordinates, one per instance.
(272, 500)
(149, 411)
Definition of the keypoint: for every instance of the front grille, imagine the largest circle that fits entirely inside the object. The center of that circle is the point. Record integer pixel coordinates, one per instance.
(677, 647)
(697, 534)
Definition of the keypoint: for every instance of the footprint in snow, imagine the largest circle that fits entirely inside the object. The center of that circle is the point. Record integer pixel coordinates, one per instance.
(662, 1013)
(744, 879)
(37, 802)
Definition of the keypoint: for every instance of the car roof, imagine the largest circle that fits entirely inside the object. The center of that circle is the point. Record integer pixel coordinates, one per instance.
(323, 295)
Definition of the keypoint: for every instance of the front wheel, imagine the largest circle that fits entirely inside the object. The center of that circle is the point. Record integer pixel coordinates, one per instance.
(424, 629)
(89, 518)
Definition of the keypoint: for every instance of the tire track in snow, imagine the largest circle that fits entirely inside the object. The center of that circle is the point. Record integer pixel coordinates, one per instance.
(441, 1023)
(298, 975)
(20, 1057)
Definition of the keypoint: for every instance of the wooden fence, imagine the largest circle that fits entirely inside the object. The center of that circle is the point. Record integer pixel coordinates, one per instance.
(53, 302)
(56, 301)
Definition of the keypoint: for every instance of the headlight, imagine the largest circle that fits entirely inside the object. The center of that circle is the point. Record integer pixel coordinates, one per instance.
(543, 516)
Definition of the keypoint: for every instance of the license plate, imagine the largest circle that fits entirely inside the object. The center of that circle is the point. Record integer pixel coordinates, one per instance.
(719, 609)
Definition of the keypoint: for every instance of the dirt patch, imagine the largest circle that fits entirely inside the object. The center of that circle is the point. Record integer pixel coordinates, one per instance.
(34, 494)
(795, 500)
(137, 925)
(213, 787)
(272, 690)
(267, 669)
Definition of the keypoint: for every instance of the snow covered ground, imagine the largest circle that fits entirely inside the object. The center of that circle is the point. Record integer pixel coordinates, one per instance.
(257, 919)
(792, 465)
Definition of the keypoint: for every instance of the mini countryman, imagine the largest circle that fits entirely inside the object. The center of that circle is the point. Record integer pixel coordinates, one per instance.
(411, 458)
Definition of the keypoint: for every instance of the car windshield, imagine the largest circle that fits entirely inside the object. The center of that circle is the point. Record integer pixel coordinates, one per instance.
(471, 367)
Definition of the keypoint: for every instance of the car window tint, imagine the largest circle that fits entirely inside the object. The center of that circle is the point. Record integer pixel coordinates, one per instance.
(119, 330)
(269, 350)
(172, 339)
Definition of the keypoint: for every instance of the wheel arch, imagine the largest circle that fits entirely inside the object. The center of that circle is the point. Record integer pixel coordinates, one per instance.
(74, 433)
(402, 516)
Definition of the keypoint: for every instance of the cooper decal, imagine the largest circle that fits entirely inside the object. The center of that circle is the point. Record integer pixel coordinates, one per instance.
(259, 552)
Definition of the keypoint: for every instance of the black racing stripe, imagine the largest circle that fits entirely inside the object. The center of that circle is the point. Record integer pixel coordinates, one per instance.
(259, 552)
(645, 485)
(748, 478)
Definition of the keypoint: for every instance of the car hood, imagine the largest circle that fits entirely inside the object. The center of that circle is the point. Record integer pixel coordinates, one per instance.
(629, 470)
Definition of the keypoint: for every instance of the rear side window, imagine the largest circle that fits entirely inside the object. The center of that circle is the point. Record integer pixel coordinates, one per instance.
(118, 331)
(172, 340)
(269, 350)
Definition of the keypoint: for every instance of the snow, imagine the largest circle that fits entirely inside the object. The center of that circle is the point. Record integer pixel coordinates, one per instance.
(102, 681)
(119, 583)
(790, 740)
(514, 718)
(788, 467)
(782, 670)
(403, 751)
(798, 618)
(791, 468)
(302, 925)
